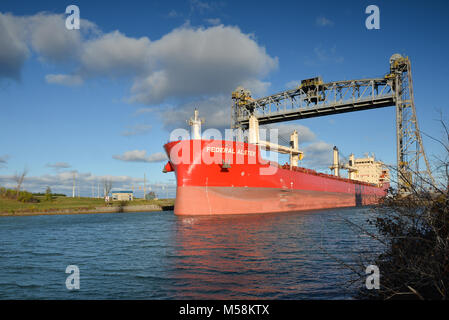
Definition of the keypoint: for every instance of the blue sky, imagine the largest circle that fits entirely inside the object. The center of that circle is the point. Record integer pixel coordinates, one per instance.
(74, 102)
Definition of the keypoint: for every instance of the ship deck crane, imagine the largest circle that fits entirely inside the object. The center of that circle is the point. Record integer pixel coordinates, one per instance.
(314, 98)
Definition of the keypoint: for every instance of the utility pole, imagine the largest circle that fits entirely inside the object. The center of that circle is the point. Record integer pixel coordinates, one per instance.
(73, 188)
(144, 186)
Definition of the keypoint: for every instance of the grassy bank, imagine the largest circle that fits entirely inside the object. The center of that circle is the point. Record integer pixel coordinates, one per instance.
(60, 204)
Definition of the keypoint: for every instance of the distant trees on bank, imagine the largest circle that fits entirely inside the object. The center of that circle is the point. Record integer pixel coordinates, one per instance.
(22, 196)
(42, 194)
(28, 197)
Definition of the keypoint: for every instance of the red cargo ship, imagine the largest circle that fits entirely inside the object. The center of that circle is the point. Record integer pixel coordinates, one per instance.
(228, 177)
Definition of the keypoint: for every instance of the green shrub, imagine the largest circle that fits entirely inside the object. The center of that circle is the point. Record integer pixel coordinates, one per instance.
(8, 193)
(415, 262)
(27, 197)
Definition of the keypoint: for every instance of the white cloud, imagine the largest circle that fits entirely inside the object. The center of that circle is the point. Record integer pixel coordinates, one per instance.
(144, 111)
(201, 61)
(45, 34)
(200, 6)
(186, 67)
(215, 109)
(141, 156)
(293, 84)
(328, 55)
(51, 40)
(318, 155)
(174, 14)
(58, 165)
(324, 56)
(64, 79)
(14, 50)
(4, 160)
(114, 54)
(213, 21)
(186, 62)
(323, 21)
(137, 129)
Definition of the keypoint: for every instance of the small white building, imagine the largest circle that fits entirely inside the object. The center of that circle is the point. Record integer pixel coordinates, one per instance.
(122, 195)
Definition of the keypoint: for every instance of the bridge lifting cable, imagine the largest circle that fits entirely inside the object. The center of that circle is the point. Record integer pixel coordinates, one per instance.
(314, 98)
(281, 138)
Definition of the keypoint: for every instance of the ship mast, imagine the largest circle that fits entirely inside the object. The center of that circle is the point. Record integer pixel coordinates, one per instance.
(195, 126)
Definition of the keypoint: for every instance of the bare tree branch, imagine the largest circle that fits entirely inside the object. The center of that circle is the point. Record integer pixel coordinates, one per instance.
(107, 184)
(18, 178)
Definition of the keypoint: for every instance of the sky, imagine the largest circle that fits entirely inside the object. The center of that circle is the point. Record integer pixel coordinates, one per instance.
(101, 101)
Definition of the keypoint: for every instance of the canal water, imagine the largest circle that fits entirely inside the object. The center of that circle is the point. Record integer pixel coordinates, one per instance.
(158, 255)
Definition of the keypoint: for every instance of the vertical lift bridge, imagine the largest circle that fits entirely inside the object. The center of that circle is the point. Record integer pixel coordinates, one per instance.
(313, 98)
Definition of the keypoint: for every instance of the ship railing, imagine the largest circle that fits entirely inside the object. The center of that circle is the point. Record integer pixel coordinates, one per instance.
(286, 166)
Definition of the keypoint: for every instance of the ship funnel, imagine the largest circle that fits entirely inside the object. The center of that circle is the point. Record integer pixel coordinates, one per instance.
(195, 125)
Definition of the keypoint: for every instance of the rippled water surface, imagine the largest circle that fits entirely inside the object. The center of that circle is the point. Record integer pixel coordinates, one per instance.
(162, 256)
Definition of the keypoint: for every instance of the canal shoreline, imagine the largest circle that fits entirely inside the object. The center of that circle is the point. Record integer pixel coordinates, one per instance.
(108, 209)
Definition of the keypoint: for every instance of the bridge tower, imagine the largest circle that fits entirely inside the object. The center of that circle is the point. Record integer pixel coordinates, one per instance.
(409, 145)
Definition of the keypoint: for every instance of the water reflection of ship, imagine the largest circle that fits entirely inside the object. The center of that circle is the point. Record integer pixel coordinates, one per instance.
(222, 257)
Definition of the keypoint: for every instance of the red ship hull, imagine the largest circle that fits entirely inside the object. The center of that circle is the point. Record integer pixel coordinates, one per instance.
(226, 177)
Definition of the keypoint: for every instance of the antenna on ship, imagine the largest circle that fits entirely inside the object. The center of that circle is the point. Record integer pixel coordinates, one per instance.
(195, 124)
